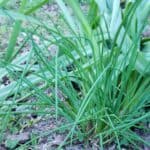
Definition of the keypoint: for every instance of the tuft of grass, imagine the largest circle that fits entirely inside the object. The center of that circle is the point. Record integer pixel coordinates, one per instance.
(99, 76)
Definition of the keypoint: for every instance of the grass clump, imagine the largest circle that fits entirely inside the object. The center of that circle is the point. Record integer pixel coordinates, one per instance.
(98, 74)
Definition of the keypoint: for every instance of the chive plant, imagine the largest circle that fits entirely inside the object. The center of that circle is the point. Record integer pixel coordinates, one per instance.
(98, 75)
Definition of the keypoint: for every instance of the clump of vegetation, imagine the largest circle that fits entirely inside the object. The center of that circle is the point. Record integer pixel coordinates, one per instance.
(98, 70)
